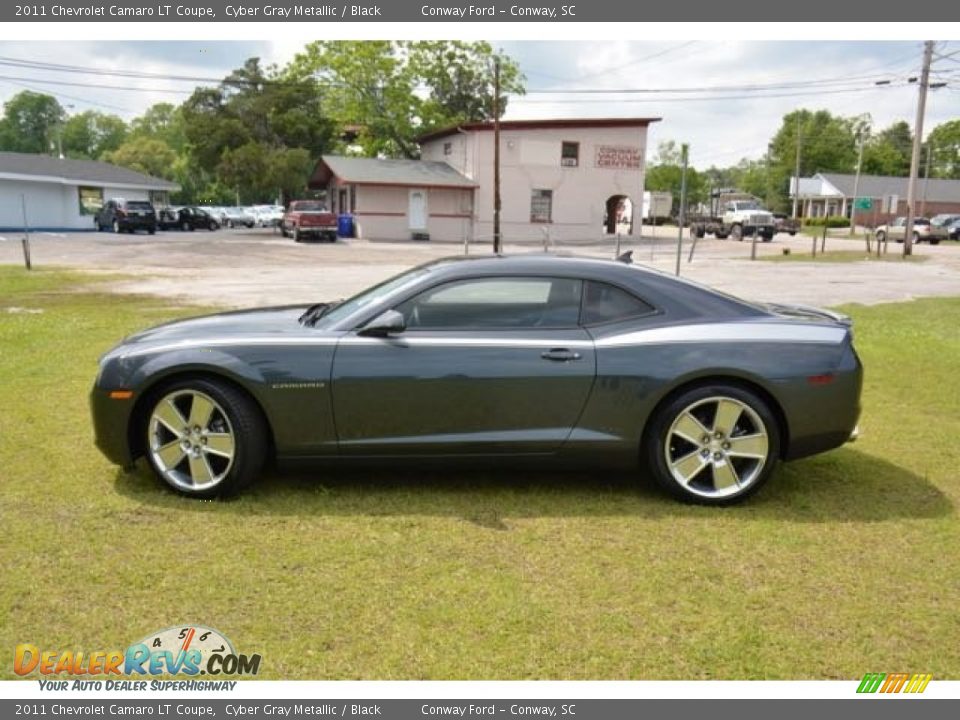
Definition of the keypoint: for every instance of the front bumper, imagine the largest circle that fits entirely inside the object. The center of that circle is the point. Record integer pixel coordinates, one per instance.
(111, 420)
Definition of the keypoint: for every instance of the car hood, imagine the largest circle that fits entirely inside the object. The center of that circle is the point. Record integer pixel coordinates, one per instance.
(264, 322)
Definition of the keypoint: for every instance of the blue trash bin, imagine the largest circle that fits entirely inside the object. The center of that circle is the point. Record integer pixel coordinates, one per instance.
(345, 225)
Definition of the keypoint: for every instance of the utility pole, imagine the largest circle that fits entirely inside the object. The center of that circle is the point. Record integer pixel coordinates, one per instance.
(496, 154)
(917, 138)
(856, 185)
(796, 175)
(926, 181)
(683, 204)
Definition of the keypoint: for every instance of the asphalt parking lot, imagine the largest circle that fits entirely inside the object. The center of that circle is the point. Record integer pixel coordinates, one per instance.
(244, 268)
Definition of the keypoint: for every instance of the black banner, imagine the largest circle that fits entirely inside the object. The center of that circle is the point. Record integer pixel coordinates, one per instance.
(875, 709)
(419, 11)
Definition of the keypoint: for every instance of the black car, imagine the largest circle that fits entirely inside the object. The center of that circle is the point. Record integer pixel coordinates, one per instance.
(122, 215)
(187, 218)
(570, 359)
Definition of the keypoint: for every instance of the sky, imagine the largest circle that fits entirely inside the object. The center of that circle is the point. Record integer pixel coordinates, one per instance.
(725, 99)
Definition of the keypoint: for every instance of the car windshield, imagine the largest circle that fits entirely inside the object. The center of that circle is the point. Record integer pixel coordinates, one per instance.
(309, 205)
(748, 205)
(370, 297)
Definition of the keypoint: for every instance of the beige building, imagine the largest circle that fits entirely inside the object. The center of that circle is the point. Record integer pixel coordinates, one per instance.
(568, 179)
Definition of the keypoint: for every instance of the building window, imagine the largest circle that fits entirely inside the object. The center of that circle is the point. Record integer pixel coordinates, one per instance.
(91, 200)
(448, 148)
(570, 154)
(541, 206)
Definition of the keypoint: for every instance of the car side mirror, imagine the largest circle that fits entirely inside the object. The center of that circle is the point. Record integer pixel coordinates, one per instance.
(388, 323)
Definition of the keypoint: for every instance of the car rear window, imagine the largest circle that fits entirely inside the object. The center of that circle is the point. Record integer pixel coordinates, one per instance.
(607, 303)
(139, 205)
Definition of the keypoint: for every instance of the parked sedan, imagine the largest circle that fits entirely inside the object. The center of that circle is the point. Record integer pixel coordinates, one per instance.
(923, 231)
(187, 219)
(550, 358)
(237, 217)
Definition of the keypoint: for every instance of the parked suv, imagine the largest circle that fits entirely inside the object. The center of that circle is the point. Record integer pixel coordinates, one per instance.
(923, 231)
(122, 215)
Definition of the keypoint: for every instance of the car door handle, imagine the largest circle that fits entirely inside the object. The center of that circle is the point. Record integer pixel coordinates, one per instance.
(560, 355)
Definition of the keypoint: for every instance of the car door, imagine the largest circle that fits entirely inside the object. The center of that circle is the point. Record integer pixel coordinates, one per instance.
(484, 366)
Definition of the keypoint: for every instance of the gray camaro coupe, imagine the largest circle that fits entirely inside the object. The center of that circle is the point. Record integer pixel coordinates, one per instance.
(551, 358)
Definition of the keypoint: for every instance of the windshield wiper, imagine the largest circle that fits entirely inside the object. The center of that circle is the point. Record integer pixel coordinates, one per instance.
(315, 312)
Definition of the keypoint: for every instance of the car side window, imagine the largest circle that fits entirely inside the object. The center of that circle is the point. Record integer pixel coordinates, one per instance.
(604, 303)
(502, 302)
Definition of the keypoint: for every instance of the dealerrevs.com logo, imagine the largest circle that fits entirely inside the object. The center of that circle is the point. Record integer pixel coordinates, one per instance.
(184, 650)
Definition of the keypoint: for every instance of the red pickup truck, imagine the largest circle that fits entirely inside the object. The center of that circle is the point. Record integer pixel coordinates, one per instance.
(309, 219)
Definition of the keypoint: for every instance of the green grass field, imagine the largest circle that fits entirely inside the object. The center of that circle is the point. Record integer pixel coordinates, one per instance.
(843, 564)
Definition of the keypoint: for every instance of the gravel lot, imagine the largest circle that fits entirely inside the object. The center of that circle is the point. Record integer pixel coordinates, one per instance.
(244, 268)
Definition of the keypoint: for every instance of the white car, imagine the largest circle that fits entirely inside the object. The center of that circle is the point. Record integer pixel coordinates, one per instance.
(268, 215)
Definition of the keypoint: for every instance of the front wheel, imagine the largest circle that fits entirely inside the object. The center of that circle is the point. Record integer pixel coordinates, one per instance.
(713, 445)
(205, 438)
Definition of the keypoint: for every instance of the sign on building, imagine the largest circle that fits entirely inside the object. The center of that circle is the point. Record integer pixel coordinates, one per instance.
(618, 157)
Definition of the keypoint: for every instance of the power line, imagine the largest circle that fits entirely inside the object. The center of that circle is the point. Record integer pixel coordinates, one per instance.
(659, 100)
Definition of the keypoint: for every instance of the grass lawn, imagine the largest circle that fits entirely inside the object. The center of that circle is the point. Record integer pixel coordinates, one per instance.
(843, 564)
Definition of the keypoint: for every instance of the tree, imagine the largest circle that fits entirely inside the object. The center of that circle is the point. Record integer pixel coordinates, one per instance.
(146, 155)
(30, 123)
(945, 141)
(889, 151)
(667, 175)
(827, 144)
(258, 133)
(90, 134)
(395, 91)
(162, 121)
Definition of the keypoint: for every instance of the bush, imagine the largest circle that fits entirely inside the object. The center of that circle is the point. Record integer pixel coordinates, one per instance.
(831, 221)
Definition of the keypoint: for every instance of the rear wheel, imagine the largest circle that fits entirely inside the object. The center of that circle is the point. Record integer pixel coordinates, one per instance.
(713, 445)
(205, 438)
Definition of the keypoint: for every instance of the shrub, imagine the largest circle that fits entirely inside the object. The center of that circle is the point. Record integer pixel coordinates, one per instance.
(831, 221)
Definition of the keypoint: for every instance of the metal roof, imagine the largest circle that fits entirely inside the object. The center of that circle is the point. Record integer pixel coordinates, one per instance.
(556, 123)
(46, 168)
(878, 186)
(375, 171)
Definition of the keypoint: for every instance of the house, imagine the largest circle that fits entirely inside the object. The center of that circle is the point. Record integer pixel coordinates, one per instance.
(566, 179)
(64, 194)
(833, 193)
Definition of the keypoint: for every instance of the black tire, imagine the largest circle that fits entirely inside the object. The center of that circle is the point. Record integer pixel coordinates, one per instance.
(283, 231)
(881, 236)
(212, 226)
(246, 422)
(297, 237)
(736, 232)
(916, 238)
(655, 449)
(934, 241)
(792, 233)
(230, 224)
(116, 227)
(152, 230)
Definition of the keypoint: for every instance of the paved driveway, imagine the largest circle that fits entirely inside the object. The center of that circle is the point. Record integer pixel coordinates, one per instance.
(243, 268)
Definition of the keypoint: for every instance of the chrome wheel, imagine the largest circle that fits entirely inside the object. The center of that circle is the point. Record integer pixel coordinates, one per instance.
(192, 443)
(717, 447)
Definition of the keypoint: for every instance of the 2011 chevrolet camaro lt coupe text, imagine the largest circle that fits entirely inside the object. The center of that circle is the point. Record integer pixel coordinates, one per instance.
(599, 362)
